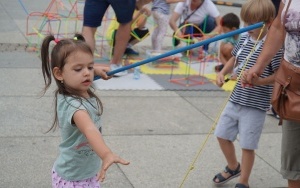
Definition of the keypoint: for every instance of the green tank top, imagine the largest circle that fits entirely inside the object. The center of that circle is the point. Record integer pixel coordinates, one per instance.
(76, 160)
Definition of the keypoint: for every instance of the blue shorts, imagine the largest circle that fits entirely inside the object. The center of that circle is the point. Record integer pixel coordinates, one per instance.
(246, 121)
(94, 11)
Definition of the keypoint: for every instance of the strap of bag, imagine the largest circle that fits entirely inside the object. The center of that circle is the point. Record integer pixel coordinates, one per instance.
(287, 83)
(193, 12)
(286, 10)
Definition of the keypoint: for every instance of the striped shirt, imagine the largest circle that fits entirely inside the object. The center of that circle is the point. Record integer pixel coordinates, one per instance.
(257, 96)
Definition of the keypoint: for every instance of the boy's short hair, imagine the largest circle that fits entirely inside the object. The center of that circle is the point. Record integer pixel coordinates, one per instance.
(254, 11)
(230, 20)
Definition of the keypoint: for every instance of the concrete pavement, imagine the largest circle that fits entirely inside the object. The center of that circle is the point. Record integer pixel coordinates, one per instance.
(159, 132)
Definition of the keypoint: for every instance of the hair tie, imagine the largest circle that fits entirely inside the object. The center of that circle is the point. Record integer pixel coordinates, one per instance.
(56, 40)
(75, 38)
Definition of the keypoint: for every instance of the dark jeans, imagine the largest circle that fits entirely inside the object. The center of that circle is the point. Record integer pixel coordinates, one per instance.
(206, 26)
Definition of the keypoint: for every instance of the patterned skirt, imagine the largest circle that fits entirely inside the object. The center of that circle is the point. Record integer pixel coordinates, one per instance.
(59, 182)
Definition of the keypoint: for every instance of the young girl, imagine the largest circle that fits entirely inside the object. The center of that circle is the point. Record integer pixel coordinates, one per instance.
(77, 114)
(161, 11)
(245, 112)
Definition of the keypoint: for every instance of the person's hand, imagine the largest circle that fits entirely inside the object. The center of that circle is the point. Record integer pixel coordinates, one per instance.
(251, 73)
(255, 80)
(243, 79)
(107, 161)
(220, 79)
(102, 72)
(179, 34)
(146, 11)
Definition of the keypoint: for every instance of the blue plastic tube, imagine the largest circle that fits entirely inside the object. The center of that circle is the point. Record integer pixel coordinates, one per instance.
(185, 48)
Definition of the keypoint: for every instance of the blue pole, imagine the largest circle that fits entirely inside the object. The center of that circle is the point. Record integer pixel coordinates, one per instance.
(185, 48)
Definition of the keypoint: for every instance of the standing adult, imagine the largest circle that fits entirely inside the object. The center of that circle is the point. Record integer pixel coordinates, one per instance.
(284, 31)
(201, 13)
(93, 14)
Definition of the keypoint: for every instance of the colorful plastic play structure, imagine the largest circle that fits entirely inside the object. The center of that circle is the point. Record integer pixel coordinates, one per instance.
(63, 18)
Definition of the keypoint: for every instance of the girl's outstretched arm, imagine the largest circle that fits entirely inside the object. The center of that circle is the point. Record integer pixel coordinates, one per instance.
(87, 127)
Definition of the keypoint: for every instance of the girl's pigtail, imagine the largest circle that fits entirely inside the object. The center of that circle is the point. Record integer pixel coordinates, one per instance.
(46, 68)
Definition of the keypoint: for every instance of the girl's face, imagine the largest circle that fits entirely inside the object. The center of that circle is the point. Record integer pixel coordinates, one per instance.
(255, 32)
(78, 72)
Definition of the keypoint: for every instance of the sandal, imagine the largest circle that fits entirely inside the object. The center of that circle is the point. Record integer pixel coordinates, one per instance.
(233, 174)
(239, 185)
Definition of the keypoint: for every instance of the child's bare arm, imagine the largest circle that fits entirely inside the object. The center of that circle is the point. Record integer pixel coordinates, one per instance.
(85, 124)
(228, 67)
(226, 70)
(258, 81)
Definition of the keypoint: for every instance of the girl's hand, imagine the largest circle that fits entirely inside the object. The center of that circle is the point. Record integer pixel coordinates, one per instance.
(107, 161)
(102, 71)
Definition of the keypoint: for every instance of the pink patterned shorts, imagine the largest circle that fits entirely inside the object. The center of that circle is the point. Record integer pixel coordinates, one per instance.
(59, 182)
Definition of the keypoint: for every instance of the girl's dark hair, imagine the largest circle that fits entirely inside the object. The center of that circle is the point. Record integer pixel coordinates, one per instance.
(59, 55)
(230, 20)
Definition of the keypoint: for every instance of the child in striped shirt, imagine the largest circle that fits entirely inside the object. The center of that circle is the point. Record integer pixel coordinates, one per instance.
(245, 112)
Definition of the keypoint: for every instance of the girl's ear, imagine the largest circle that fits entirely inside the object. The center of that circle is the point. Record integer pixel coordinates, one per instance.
(57, 73)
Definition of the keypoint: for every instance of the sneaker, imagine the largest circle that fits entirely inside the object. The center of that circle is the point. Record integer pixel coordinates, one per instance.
(130, 51)
(114, 67)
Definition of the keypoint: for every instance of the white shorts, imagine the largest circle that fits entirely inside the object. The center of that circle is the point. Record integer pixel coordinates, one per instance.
(246, 121)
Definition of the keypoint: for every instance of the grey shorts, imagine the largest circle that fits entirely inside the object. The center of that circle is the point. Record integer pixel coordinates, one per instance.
(290, 150)
(247, 122)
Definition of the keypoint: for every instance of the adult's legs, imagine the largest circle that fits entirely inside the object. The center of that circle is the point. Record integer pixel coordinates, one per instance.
(89, 36)
(122, 38)
(290, 152)
(124, 10)
(92, 18)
